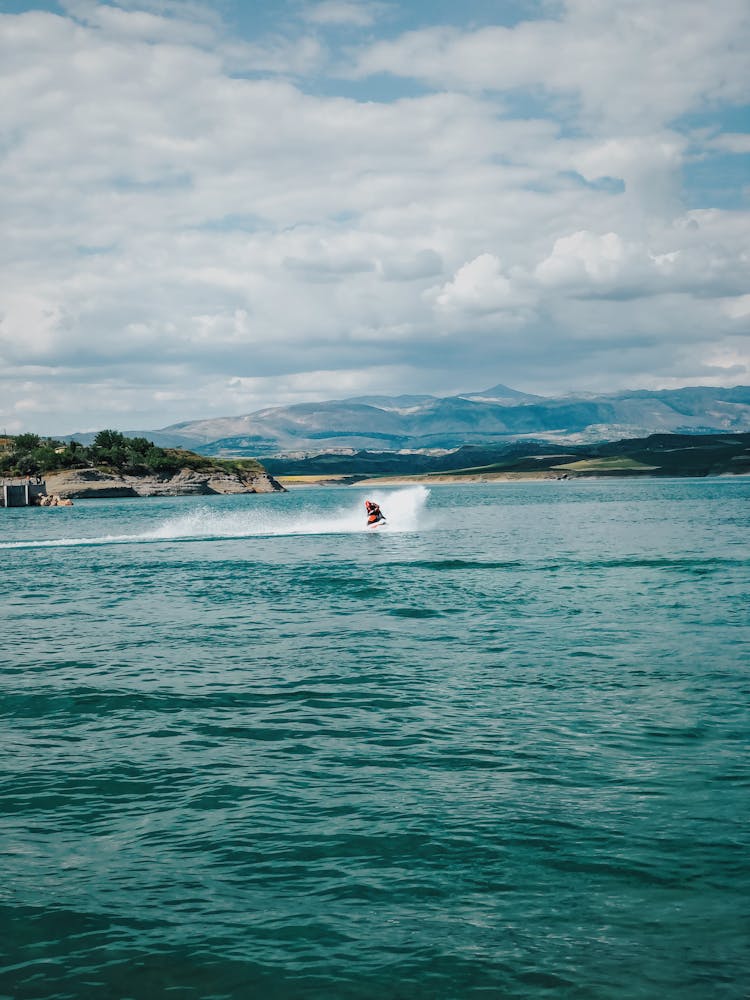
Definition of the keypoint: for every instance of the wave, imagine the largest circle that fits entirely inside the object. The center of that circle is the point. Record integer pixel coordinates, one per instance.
(404, 510)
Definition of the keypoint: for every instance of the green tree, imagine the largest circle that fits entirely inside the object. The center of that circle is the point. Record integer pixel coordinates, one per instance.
(158, 460)
(46, 458)
(140, 446)
(76, 456)
(108, 439)
(26, 442)
(28, 466)
(110, 448)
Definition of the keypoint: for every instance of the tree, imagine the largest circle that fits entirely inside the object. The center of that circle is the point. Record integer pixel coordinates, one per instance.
(28, 466)
(26, 442)
(140, 445)
(109, 439)
(158, 460)
(110, 448)
(46, 458)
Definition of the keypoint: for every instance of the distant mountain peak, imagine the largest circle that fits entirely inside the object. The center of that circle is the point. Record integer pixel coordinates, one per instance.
(499, 394)
(497, 414)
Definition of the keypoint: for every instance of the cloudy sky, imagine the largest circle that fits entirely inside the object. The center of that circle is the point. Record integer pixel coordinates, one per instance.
(210, 207)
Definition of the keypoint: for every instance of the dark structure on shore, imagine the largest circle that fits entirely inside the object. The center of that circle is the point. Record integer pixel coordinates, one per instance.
(21, 492)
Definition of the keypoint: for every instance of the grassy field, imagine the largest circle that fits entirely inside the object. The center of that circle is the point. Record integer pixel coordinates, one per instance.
(310, 480)
(615, 463)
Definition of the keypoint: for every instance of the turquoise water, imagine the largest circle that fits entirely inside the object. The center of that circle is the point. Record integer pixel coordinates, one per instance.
(496, 750)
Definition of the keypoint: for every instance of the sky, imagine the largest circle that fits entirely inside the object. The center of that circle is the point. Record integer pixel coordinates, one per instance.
(207, 208)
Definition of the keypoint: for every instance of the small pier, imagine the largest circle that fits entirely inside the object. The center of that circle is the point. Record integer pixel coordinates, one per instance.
(21, 492)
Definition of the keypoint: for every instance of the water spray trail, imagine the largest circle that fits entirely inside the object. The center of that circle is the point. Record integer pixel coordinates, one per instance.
(403, 509)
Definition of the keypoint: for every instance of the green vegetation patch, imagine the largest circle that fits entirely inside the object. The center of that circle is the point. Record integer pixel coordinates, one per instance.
(239, 465)
(617, 463)
(32, 455)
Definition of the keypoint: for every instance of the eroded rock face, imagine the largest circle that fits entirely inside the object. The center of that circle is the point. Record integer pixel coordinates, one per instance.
(80, 484)
(84, 484)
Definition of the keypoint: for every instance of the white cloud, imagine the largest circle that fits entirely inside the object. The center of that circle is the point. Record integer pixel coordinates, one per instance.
(170, 225)
(636, 64)
(585, 261)
(730, 142)
(29, 326)
(738, 308)
(479, 286)
(648, 165)
(344, 12)
(419, 264)
(170, 23)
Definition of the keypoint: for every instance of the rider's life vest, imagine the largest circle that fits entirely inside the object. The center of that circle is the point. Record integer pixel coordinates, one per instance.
(374, 513)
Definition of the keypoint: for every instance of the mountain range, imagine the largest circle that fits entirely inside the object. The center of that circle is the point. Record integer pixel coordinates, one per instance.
(430, 423)
(722, 454)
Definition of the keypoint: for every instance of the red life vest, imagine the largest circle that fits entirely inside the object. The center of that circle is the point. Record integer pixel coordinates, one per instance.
(374, 514)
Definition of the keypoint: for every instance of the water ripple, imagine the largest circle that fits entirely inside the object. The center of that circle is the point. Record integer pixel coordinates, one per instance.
(496, 755)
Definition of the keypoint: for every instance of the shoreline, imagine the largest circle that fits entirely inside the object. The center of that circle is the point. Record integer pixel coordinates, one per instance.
(93, 483)
(295, 483)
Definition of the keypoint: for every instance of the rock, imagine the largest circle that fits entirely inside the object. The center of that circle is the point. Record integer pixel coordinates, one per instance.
(88, 483)
(50, 500)
(82, 484)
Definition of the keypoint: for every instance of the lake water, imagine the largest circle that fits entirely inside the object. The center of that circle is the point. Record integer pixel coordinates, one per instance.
(498, 749)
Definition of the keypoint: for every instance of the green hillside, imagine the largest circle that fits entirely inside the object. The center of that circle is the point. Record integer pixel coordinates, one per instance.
(656, 455)
(32, 455)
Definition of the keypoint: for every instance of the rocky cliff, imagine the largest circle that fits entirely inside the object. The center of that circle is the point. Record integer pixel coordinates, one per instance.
(80, 484)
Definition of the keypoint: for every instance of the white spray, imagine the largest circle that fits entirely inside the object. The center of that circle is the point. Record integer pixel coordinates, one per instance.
(403, 509)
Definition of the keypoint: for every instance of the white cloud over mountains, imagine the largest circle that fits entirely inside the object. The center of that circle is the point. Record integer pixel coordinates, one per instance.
(200, 218)
(632, 65)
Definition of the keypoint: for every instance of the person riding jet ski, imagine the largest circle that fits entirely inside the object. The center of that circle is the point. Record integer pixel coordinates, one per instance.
(374, 513)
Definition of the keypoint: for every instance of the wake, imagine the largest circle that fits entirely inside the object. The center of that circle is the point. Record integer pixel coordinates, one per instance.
(404, 511)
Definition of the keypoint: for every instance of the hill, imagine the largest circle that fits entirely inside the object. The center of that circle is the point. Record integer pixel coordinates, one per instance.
(114, 465)
(656, 455)
(491, 416)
